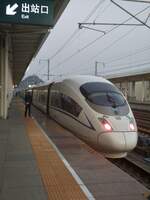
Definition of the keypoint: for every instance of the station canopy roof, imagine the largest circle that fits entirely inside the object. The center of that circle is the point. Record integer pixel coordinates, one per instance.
(26, 41)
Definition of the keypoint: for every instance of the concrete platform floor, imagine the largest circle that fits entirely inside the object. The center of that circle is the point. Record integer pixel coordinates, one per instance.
(20, 177)
(19, 174)
(103, 179)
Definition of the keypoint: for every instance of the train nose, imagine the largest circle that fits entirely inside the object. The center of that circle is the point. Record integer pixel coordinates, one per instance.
(117, 141)
(131, 140)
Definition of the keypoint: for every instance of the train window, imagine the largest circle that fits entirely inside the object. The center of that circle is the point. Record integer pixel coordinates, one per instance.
(35, 95)
(65, 103)
(43, 97)
(55, 99)
(94, 87)
(105, 98)
(102, 94)
(69, 105)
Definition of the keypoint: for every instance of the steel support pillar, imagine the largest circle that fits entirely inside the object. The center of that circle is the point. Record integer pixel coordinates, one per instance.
(132, 91)
(143, 91)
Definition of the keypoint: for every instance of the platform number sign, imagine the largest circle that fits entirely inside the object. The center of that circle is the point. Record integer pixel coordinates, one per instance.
(27, 12)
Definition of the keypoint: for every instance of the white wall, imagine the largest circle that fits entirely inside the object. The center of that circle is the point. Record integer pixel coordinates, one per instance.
(5, 76)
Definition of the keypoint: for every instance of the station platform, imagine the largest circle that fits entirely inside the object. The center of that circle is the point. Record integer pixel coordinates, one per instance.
(43, 161)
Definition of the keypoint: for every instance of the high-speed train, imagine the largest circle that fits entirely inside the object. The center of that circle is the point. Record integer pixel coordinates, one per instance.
(93, 109)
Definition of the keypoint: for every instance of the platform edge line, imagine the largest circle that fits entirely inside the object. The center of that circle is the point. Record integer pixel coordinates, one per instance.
(71, 170)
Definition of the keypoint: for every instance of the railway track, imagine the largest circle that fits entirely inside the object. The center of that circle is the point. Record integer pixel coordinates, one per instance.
(137, 163)
(136, 166)
(143, 120)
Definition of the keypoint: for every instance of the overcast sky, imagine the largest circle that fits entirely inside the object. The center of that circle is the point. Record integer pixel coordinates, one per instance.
(118, 49)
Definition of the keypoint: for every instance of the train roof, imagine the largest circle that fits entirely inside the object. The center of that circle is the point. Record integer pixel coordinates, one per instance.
(42, 85)
(79, 80)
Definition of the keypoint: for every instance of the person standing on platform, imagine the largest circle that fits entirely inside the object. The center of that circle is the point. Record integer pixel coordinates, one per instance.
(28, 101)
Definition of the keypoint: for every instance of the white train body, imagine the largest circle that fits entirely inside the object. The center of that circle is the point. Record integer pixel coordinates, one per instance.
(95, 110)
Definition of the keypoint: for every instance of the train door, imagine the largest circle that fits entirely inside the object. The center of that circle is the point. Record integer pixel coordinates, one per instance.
(48, 98)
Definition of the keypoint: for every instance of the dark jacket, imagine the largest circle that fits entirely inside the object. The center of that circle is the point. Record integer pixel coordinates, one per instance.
(28, 98)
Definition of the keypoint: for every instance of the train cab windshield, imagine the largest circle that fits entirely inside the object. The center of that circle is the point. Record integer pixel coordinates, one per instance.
(104, 97)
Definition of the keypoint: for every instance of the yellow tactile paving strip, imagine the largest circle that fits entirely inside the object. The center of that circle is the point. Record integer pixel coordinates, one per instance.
(57, 179)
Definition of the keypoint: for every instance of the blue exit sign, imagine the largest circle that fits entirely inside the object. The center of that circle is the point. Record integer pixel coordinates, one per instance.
(32, 12)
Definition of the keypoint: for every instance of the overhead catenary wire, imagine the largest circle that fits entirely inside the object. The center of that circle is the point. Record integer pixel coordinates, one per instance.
(109, 46)
(76, 31)
(74, 53)
(94, 21)
(123, 67)
(80, 50)
(134, 16)
(109, 24)
(134, 64)
(100, 13)
(72, 36)
(138, 51)
(130, 66)
(137, 1)
(91, 28)
(95, 40)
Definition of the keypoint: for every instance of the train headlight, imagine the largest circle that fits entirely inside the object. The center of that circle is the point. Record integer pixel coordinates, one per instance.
(107, 127)
(106, 124)
(132, 128)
